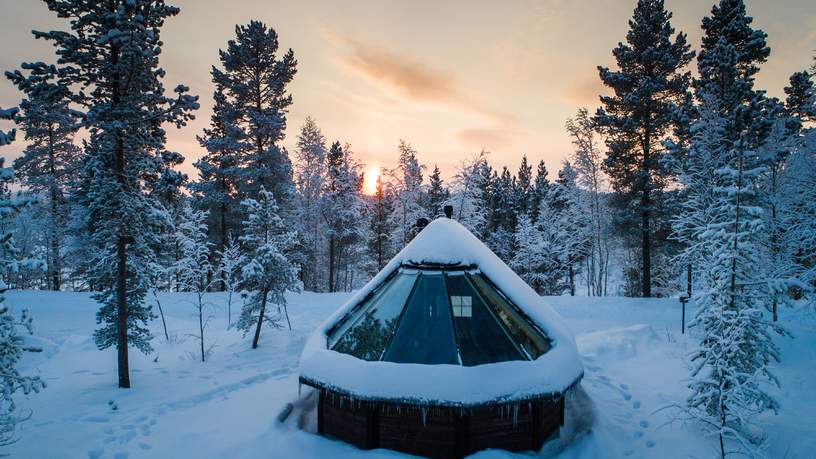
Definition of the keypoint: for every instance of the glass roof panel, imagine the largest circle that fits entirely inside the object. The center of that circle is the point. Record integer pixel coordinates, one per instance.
(366, 334)
(527, 336)
(479, 334)
(425, 332)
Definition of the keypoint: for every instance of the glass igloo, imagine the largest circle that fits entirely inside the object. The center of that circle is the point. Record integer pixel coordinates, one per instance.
(445, 352)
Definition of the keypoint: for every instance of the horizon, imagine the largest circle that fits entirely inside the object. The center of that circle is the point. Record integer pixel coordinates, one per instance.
(368, 81)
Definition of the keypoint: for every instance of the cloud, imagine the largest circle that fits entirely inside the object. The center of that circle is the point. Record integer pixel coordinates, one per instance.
(585, 92)
(489, 138)
(413, 80)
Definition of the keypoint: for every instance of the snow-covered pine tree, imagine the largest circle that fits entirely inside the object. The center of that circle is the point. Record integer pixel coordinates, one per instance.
(797, 210)
(111, 54)
(588, 162)
(341, 209)
(648, 84)
(50, 157)
(407, 193)
(731, 365)
(268, 272)
(380, 249)
(571, 230)
(539, 189)
(310, 175)
(437, 194)
(255, 80)
(523, 188)
(231, 260)
(11, 342)
(502, 223)
(469, 196)
(530, 260)
(193, 268)
(216, 190)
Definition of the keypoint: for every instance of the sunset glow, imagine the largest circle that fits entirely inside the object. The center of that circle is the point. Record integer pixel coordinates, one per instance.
(372, 173)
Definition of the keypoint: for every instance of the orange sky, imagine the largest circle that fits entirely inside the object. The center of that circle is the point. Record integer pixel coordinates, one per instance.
(451, 77)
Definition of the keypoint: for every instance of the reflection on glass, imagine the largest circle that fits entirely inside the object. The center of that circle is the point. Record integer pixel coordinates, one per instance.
(525, 335)
(425, 332)
(481, 338)
(367, 333)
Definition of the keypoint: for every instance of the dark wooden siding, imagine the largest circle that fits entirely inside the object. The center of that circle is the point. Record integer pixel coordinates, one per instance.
(440, 432)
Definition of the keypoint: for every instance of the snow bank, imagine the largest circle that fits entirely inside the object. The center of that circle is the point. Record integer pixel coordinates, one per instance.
(445, 241)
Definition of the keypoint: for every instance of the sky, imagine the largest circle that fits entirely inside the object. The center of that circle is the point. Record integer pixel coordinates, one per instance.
(450, 77)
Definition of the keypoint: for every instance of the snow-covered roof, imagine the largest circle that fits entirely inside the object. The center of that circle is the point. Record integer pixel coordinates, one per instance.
(446, 242)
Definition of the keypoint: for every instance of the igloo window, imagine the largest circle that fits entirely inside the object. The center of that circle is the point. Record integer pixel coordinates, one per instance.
(437, 316)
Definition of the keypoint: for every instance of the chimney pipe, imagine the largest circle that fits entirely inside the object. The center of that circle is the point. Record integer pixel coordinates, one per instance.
(448, 211)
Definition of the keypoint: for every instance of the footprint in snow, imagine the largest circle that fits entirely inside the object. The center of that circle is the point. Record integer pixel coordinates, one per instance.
(121, 455)
(650, 444)
(636, 405)
(644, 424)
(638, 434)
(145, 446)
(624, 386)
(95, 453)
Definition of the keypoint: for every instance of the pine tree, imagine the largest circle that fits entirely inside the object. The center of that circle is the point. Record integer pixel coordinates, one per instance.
(406, 189)
(726, 228)
(11, 341)
(437, 194)
(647, 86)
(254, 79)
(539, 189)
(309, 178)
(380, 249)
(229, 269)
(111, 54)
(219, 170)
(469, 193)
(341, 209)
(193, 267)
(523, 187)
(50, 157)
(268, 274)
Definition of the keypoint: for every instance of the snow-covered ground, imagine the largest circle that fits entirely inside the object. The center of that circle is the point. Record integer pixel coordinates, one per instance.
(227, 407)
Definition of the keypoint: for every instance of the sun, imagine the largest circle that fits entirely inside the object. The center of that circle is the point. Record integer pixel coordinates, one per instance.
(371, 175)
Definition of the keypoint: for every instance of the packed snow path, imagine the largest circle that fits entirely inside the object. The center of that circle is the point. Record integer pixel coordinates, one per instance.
(227, 407)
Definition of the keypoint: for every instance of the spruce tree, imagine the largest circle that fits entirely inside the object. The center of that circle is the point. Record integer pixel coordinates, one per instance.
(380, 247)
(540, 188)
(111, 56)
(407, 191)
(50, 158)
(726, 227)
(647, 86)
(219, 170)
(341, 209)
(437, 194)
(309, 177)
(268, 272)
(193, 268)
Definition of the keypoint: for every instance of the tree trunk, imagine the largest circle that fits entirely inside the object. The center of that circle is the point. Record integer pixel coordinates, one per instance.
(331, 263)
(161, 313)
(260, 320)
(201, 324)
(121, 243)
(646, 275)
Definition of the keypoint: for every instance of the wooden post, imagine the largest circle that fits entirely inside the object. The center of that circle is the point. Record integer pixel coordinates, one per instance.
(683, 301)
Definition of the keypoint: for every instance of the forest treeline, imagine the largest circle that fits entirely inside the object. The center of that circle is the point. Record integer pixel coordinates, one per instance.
(680, 181)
